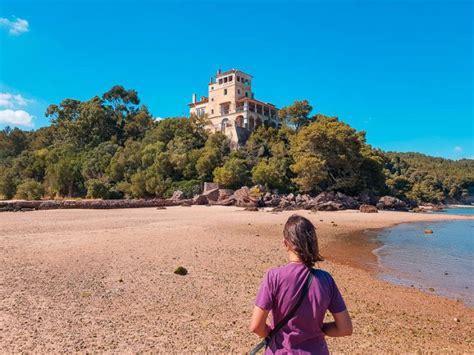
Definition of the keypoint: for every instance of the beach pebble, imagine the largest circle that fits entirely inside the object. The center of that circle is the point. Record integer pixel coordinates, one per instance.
(181, 271)
(456, 319)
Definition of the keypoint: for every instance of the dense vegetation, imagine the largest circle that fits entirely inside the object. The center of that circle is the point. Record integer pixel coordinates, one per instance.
(110, 147)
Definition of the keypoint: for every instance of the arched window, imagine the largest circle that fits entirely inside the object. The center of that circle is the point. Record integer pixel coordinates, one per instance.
(239, 121)
(224, 124)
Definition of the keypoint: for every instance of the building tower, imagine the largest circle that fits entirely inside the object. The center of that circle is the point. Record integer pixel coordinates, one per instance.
(232, 108)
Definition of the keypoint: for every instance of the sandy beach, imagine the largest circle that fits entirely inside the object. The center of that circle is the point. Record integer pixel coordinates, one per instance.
(102, 280)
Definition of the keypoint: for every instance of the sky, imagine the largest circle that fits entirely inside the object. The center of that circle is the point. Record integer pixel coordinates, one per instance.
(400, 70)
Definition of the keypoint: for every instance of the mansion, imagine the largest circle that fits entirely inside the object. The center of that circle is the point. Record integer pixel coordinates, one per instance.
(231, 107)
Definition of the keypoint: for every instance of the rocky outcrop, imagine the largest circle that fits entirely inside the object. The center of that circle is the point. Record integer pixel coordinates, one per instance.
(14, 206)
(391, 203)
(200, 200)
(329, 206)
(178, 195)
(340, 201)
(243, 198)
(212, 195)
(368, 209)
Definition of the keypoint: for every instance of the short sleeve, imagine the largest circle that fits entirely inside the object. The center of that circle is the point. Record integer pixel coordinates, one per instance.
(337, 303)
(265, 297)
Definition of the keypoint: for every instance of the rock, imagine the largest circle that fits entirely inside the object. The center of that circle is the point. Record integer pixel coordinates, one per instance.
(224, 194)
(368, 209)
(275, 201)
(251, 209)
(181, 271)
(391, 203)
(243, 197)
(324, 198)
(437, 209)
(428, 231)
(178, 195)
(291, 197)
(457, 320)
(186, 203)
(200, 200)
(212, 195)
(367, 197)
(227, 202)
(330, 206)
(418, 210)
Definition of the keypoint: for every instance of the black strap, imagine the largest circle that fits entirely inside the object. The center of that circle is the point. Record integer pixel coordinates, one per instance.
(292, 312)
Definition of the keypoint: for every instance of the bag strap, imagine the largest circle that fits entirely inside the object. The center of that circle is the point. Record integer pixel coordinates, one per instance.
(292, 312)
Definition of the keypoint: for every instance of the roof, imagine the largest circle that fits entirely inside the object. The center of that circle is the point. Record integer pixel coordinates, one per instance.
(256, 101)
(204, 100)
(231, 71)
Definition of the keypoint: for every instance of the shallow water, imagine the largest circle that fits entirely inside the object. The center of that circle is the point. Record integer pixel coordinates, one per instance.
(442, 262)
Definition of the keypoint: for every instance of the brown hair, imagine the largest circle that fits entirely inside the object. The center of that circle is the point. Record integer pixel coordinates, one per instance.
(300, 233)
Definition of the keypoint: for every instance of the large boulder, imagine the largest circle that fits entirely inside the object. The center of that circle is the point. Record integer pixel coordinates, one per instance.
(329, 206)
(346, 202)
(367, 197)
(368, 209)
(178, 195)
(243, 197)
(212, 195)
(224, 194)
(391, 203)
(200, 200)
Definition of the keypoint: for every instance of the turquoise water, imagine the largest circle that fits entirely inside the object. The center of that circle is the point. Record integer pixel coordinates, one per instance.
(442, 262)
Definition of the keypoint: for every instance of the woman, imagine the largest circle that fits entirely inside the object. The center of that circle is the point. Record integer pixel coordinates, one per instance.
(282, 288)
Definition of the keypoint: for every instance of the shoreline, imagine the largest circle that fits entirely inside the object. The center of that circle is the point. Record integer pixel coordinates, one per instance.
(102, 280)
(371, 260)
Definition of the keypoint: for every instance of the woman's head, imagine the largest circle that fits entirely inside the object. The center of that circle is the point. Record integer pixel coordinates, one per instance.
(300, 236)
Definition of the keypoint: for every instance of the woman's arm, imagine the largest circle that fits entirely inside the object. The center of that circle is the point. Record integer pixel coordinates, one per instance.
(342, 325)
(259, 324)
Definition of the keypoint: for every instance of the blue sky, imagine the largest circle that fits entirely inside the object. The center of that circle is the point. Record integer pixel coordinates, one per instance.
(400, 70)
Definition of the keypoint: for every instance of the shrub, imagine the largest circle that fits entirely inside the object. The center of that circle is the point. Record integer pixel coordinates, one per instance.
(97, 189)
(188, 187)
(30, 189)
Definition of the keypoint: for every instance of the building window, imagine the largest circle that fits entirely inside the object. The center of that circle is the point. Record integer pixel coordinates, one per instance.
(212, 99)
(212, 87)
(220, 81)
(238, 78)
(225, 91)
(230, 78)
(246, 94)
(238, 91)
(200, 111)
(212, 111)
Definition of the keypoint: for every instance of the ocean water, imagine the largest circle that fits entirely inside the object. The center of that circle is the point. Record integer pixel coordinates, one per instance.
(442, 262)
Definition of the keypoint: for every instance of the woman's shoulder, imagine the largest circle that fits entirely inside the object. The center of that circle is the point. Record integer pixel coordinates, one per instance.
(323, 276)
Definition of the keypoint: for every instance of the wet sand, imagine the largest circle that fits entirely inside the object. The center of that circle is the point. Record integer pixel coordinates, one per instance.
(102, 280)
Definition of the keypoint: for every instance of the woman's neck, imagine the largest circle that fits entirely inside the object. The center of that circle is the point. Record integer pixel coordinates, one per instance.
(293, 257)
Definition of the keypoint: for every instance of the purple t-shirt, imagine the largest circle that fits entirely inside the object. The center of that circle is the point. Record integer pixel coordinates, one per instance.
(280, 290)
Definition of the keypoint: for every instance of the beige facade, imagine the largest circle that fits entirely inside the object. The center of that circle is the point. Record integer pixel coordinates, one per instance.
(232, 108)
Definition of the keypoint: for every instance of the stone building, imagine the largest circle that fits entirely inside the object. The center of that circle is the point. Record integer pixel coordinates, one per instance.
(232, 108)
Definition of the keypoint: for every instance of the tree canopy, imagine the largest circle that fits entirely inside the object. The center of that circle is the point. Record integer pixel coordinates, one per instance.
(111, 147)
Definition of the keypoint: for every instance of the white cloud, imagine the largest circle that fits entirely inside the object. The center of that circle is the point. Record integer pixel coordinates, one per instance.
(458, 149)
(16, 118)
(9, 100)
(158, 118)
(15, 27)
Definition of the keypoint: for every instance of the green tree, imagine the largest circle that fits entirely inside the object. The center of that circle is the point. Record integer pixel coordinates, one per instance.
(29, 189)
(296, 115)
(233, 174)
(215, 150)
